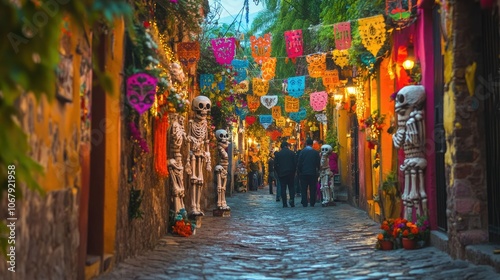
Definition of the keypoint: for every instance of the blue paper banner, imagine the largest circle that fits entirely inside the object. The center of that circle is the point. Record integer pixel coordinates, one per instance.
(240, 67)
(206, 81)
(296, 86)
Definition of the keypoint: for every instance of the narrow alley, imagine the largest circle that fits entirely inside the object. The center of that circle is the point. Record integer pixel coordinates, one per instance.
(262, 240)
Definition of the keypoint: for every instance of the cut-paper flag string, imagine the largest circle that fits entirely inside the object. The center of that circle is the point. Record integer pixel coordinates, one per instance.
(276, 112)
(269, 68)
(318, 100)
(224, 50)
(291, 104)
(261, 47)
(240, 67)
(296, 86)
(188, 54)
(206, 81)
(253, 102)
(294, 46)
(373, 33)
(260, 86)
(269, 101)
(265, 120)
(298, 116)
(342, 35)
(316, 64)
(141, 91)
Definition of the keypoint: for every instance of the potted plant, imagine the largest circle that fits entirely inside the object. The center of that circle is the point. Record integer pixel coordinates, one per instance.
(424, 231)
(408, 232)
(386, 238)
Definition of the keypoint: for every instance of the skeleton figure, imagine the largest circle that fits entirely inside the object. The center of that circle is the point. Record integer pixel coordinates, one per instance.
(326, 175)
(175, 166)
(199, 153)
(221, 168)
(410, 136)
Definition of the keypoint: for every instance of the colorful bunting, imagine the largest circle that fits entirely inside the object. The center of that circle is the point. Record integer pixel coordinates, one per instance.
(269, 68)
(260, 86)
(287, 131)
(224, 50)
(294, 46)
(261, 47)
(341, 57)
(141, 90)
(249, 120)
(274, 134)
(281, 122)
(240, 67)
(291, 104)
(188, 54)
(296, 86)
(331, 79)
(253, 102)
(206, 81)
(265, 120)
(241, 112)
(316, 64)
(269, 101)
(298, 116)
(318, 100)
(276, 112)
(342, 35)
(373, 33)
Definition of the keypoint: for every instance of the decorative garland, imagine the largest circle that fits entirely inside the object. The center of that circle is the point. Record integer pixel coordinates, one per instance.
(160, 145)
(136, 136)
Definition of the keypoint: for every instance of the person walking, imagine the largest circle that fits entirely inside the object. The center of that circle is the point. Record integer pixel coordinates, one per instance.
(308, 169)
(278, 185)
(270, 174)
(285, 165)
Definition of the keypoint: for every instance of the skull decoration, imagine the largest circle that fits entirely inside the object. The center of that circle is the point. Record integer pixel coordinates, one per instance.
(201, 105)
(326, 149)
(222, 135)
(410, 97)
(177, 72)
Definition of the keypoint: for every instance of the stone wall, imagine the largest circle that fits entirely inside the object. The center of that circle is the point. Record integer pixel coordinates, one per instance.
(465, 158)
(47, 236)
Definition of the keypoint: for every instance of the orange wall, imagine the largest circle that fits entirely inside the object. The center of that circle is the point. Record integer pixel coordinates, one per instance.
(387, 108)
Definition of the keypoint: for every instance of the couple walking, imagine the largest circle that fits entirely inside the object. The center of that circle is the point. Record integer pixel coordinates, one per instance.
(306, 164)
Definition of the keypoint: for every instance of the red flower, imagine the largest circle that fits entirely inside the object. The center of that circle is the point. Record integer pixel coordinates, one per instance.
(146, 24)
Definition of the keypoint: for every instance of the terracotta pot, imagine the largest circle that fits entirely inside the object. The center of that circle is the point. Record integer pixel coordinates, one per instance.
(409, 244)
(386, 245)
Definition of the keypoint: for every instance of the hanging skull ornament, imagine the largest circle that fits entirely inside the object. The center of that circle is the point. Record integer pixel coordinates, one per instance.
(326, 149)
(201, 105)
(222, 135)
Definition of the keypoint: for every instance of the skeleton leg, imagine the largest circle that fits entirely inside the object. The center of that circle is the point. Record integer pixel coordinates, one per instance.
(406, 201)
(218, 171)
(423, 195)
(223, 189)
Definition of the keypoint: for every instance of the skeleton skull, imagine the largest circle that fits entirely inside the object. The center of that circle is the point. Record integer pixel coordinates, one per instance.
(222, 135)
(201, 105)
(410, 97)
(326, 149)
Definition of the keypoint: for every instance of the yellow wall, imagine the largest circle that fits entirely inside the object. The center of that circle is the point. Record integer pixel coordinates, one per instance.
(343, 124)
(114, 66)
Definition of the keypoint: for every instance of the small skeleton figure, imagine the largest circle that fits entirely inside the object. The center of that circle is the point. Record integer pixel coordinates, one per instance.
(175, 166)
(410, 136)
(326, 175)
(221, 168)
(199, 153)
(177, 72)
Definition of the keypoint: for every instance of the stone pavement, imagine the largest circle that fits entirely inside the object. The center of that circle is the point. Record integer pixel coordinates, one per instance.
(262, 240)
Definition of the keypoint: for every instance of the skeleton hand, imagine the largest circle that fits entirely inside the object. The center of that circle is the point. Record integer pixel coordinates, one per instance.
(398, 137)
(188, 168)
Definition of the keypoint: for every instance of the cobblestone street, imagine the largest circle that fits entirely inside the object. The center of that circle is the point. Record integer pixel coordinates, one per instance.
(262, 240)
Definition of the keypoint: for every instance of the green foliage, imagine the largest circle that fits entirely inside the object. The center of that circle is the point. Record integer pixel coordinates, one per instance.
(390, 184)
(30, 54)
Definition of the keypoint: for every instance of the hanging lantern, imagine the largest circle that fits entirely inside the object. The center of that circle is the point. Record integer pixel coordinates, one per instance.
(269, 68)
(253, 102)
(240, 67)
(295, 86)
(294, 46)
(260, 86)
(141, 90)
(224, 50)
(269, 101)
(206, 81)
(331, 79)
(291, 104)
(276, 112)
(373, 33)
(341, 57)
(318, 100)
(188, 54)
(316, 64)
(261, 47)
(342, 35)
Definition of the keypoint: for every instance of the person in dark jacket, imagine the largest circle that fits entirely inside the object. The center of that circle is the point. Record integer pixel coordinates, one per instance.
(270, 170)
(308, 169)
(285, 166)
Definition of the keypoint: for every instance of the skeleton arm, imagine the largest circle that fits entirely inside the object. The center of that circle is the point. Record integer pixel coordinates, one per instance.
(207, 153)
(188, 138)
(415, 128)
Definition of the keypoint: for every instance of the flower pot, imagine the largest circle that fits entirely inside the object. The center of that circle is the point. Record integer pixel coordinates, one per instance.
(386, 245)
(409, 244)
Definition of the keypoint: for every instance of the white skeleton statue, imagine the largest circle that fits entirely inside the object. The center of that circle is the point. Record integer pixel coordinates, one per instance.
(175, 167)
(221, 168)
(199, 153)
(326, 175)
(410, 136)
